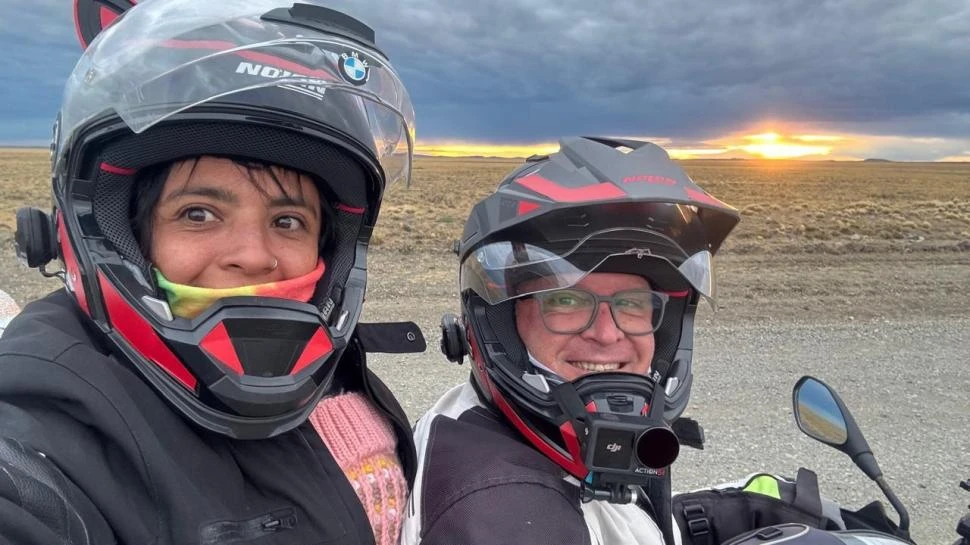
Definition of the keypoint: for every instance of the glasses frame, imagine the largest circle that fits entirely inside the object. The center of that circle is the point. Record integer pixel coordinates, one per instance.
(610, 300)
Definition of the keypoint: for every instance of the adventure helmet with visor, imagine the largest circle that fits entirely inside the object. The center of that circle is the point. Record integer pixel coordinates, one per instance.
(295, 85)
(596, 205)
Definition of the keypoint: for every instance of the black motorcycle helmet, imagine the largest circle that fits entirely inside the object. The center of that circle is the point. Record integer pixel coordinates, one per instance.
(300, 86)
(597, 205)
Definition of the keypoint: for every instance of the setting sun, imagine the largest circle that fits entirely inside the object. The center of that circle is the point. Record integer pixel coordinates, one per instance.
(767, 137)
(785, 151)
(771, 145)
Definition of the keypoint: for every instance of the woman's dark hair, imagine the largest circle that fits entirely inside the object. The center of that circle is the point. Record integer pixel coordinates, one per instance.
(151, 180)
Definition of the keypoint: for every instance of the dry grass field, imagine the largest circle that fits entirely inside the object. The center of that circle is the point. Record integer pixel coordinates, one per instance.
(791, 206)
(817, 240)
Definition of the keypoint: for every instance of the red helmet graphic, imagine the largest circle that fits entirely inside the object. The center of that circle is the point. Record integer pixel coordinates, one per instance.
(249, 80)
(597, 205)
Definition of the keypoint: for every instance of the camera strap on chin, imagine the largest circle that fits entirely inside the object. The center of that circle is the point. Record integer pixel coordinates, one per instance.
(654, 497)
(573, 406)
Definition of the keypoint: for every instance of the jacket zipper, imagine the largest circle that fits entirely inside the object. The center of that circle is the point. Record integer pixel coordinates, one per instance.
(232, 531)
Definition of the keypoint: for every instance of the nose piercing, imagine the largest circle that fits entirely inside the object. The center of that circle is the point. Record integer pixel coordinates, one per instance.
(276, 263)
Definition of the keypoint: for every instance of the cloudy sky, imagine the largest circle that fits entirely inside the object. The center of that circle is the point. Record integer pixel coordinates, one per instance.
(810, 78)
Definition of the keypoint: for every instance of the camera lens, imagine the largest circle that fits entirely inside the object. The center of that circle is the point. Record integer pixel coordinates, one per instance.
(657, 447)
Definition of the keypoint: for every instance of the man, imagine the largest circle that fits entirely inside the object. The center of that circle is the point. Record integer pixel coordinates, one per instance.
(580, 277)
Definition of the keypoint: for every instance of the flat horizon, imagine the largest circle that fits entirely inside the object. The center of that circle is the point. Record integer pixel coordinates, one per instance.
(446, 155)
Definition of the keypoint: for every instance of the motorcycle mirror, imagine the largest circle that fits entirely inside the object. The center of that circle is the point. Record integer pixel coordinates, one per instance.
(821, 414)
(818, 415)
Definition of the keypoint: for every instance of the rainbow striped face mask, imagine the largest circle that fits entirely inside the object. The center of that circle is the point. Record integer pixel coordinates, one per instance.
(189, 301)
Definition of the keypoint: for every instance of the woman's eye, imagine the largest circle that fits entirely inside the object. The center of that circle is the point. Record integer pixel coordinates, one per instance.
(289, 223)
(198, 215)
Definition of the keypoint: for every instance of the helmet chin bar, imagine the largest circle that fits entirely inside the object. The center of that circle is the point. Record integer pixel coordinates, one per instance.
(676, 376)
(623, 438)
(602, 428)
(454, 345)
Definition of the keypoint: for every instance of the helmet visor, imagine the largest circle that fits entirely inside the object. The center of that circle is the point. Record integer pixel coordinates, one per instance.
(503, 270)
(201, 53)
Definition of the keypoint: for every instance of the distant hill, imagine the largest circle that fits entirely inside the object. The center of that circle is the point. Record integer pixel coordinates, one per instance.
(876, 160)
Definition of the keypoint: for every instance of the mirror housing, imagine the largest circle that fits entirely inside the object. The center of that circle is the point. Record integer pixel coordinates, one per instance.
(829, 417)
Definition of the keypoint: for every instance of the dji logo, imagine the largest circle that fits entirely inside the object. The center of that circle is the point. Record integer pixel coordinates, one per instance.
(614, 447)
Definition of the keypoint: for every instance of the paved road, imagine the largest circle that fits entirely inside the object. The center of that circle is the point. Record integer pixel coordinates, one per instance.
(907, 383)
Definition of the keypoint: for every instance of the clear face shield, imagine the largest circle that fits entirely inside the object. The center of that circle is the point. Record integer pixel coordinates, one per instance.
(202, 53)
(505, 270)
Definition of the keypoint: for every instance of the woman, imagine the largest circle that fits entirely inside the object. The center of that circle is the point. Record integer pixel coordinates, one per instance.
(217, 171)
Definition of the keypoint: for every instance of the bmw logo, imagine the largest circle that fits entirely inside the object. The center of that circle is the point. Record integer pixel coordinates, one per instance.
(353, 68)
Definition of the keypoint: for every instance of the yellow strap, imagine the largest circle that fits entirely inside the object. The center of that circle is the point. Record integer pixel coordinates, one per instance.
(764, 484)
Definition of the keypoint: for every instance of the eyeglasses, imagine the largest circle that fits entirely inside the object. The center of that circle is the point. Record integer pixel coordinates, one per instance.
(571, 311)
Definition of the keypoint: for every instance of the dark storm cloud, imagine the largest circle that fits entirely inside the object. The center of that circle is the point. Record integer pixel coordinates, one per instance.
(527, 70)
(679, 68)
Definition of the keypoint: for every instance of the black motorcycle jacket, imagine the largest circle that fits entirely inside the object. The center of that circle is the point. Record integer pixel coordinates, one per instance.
(89, 454)
(480, 483)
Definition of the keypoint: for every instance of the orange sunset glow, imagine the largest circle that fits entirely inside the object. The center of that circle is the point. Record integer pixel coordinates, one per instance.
(772, 145)
(466, 149)
(761, 145)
